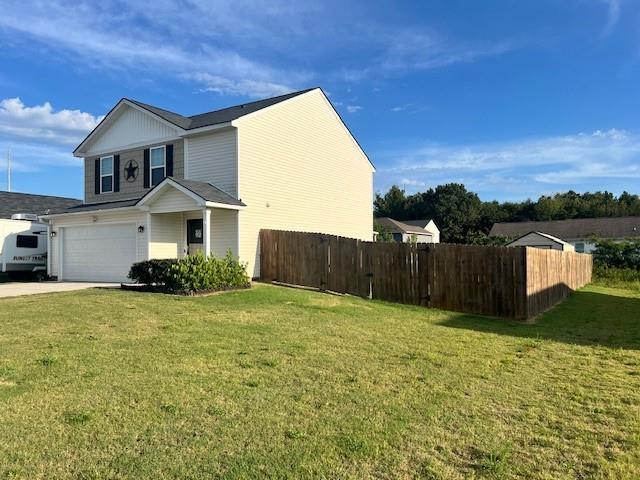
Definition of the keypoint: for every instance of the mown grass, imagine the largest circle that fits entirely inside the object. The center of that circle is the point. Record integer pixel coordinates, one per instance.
(282, 383)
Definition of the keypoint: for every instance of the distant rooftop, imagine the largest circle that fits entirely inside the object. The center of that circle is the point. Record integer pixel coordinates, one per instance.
(15, 202)
(396, 226)
(576, 228)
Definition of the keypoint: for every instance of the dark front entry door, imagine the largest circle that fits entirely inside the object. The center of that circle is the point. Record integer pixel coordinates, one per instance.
(195, 236)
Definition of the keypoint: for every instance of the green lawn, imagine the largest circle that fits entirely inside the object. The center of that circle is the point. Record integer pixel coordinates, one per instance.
(282, 383)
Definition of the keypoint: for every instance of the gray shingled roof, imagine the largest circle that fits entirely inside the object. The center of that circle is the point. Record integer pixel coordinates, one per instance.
(90, 207)
(605, 227)
(217, 116)
(206, 191)
(15, 202)
(542, 234)
(400, 227)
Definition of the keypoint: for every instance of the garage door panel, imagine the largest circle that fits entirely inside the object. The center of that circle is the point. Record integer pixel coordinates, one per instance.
(98, 252)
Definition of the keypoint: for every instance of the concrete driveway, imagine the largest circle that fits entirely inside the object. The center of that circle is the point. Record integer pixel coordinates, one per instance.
(15, 289)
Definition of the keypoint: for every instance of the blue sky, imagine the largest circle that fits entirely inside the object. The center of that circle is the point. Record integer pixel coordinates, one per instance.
(513, 98)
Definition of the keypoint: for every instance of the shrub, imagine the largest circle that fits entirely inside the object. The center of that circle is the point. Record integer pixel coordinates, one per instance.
(624, 254)
(151, 272)
(191, 274)
(616, 277)
(196, 273)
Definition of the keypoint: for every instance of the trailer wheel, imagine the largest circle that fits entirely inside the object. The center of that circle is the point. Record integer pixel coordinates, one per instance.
(40, 276)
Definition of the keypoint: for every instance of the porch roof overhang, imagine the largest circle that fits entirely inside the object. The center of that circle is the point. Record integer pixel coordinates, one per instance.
(204, 195)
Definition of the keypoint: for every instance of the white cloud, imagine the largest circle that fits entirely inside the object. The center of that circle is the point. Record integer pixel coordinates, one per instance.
(525, 167)
(613, 16)
(353, 108)
(42, 123)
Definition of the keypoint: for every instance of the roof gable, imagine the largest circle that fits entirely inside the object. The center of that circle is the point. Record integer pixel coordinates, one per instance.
(131, 123)
(127, 125)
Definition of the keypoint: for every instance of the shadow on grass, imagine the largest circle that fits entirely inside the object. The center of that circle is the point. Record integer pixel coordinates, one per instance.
(585, 318)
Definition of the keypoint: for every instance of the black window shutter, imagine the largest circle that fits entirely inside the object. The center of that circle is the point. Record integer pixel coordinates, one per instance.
(146, 169)
(169, 160)
(96, 177)
(116, 173)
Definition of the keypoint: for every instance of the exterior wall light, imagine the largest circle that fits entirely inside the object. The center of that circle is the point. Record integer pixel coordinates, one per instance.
(141, 229)
(53, 234)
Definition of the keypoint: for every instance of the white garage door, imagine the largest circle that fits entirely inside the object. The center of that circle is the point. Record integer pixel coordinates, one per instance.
(98, 253)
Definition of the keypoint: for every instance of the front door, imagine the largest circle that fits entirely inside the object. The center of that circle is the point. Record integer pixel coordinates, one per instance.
(195, 236)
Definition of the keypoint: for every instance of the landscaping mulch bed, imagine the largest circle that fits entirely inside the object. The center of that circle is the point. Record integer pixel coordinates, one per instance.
(141, 287)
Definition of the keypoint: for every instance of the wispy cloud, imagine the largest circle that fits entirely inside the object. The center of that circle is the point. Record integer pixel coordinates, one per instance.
(409, 49)
(522, 167)
(353, 108)
(71, 29)
(613, 16)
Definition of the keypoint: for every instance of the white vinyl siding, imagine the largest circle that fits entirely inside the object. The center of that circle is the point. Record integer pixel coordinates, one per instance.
(166, 235)
(172, 200)
(224, 232)
(212, 158)
(131, 127)
(300, 169)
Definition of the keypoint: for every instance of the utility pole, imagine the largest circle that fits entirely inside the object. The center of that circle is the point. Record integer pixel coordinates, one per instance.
(8, 169)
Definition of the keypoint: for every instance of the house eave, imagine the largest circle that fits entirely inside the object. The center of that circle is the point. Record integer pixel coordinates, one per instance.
(50, 216)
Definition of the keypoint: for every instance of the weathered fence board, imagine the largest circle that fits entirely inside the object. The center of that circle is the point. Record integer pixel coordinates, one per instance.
(505, 282)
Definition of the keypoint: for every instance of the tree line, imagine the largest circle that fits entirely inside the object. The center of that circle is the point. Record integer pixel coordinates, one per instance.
(463, 218)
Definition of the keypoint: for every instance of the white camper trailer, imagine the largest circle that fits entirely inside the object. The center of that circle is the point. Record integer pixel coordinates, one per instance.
(23, 246)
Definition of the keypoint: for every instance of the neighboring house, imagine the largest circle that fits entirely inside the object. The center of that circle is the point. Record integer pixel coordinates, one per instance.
(429, 225)
(579, 232)
(162, 185)
(411, 231)
(12, 203)
(543, 241)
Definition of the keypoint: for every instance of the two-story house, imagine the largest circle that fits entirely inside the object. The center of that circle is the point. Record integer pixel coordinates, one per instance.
(162, 185)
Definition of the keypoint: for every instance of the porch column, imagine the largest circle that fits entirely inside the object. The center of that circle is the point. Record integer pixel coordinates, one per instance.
(206, 226)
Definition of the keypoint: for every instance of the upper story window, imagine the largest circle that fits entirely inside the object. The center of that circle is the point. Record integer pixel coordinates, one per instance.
(106, 174)
(579, 247)
(158, 164)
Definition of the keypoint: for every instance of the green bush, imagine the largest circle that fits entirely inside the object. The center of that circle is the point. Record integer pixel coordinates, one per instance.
(192, 274)
(612, 254)
(151, 272)
(616, 277)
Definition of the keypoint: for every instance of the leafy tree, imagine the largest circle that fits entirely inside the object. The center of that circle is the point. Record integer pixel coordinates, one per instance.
(384, 234)
(392, 204)
(463, 218)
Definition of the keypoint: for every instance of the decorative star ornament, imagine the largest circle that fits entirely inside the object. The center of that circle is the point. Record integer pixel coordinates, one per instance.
(131, 171)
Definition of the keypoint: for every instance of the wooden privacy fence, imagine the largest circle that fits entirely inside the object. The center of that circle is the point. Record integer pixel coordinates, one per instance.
(511, 282)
